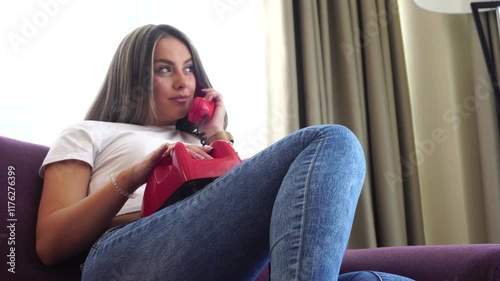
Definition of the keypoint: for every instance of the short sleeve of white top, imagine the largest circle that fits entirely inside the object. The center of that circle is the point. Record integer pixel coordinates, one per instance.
(110, 148)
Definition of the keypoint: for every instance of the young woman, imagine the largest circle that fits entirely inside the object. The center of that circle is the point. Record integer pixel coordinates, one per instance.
(292, 204)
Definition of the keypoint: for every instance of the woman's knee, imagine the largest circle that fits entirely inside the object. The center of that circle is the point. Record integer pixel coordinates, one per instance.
(339, 134)
(341, 140)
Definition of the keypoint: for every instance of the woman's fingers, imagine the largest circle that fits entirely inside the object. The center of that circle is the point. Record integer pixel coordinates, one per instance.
(196, 152)
(143, 169)
(213, 95)
(161, 152)
(200, 152)
(217, 122)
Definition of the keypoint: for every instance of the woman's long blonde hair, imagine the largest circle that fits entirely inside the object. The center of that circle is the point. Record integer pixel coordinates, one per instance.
(126, 95)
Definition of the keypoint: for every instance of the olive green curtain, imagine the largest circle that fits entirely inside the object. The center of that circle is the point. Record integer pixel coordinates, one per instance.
(396, 76)
(347, 65)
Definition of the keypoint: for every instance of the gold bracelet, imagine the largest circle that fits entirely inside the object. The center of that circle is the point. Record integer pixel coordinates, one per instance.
(222, 135)
(121, 190)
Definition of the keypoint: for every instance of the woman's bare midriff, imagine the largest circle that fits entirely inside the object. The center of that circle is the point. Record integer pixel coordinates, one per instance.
(123, 219)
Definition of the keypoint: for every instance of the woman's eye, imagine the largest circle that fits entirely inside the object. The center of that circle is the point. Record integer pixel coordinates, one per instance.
(164, 69)
(189, 68)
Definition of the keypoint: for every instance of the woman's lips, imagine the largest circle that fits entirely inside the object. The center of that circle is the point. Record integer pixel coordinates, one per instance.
(180, 99)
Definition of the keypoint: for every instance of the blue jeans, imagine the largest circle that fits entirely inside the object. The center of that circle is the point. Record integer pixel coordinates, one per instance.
(292, 204)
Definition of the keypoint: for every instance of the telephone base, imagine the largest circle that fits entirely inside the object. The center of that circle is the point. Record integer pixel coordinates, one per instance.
(180, 176)
(186, 190)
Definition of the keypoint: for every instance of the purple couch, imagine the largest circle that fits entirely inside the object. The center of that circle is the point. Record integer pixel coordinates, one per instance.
(21, 195)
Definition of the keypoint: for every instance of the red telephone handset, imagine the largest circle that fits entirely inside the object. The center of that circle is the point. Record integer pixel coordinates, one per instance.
(200, 110)
(180, 176)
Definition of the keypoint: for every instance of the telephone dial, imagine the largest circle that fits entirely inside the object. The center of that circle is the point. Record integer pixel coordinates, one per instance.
(180, 176)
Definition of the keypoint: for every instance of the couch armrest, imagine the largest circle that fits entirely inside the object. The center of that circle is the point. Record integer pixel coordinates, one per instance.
(478, 262)
(25, 158)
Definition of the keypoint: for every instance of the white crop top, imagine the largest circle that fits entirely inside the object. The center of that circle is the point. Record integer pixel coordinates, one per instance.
(110, 148)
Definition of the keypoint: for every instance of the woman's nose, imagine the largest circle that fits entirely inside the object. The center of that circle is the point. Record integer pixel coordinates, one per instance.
(180, 81)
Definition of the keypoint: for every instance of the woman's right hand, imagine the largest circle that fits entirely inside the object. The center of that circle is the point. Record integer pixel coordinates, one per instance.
(139, 173)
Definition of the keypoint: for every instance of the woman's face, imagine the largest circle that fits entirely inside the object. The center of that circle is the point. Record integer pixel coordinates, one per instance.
(174, 82)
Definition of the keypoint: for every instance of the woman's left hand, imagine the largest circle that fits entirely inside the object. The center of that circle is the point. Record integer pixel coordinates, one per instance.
(216, 123)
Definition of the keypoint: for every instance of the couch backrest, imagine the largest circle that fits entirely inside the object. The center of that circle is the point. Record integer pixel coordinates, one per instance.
(21, 188)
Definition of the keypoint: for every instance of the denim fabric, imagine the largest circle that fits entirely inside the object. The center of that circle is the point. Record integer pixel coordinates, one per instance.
(293, 203)
(371, 276)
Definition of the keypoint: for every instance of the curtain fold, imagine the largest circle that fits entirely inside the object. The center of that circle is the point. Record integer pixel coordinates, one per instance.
(414, 88)
(283, 109)
(352, 73)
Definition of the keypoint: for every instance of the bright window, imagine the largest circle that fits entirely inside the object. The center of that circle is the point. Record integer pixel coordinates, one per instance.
(55, 53)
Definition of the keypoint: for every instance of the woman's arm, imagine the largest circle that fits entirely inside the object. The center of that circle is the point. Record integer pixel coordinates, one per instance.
(69, 221)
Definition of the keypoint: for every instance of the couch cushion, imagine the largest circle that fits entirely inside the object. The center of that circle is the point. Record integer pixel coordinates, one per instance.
(478, 262)
(19, 209)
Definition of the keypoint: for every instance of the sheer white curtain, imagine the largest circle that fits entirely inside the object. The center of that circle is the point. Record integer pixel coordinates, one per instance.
(55, 53)
(281, 69)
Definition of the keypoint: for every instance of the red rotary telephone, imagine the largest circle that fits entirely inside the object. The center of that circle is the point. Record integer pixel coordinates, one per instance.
(180, 176)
